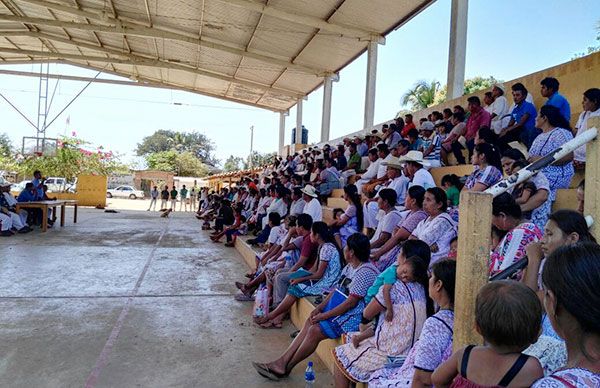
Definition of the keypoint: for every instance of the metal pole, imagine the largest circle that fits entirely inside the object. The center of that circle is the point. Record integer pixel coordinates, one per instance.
(457, 49)
(559, 153)
(250, 163)
(369, 115)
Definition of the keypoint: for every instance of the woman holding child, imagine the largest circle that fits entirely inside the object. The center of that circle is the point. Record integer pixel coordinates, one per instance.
(352, 220)
(368, 351)
(358, 275)
(323, 275)
(435, 342)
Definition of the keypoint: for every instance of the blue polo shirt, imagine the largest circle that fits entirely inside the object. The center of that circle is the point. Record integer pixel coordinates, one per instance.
(37, 187)
(26, 196)
(520, 110)
(562, 104)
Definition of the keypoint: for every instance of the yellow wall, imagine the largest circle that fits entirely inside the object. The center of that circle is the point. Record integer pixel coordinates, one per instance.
(91, 191)
(575, 77)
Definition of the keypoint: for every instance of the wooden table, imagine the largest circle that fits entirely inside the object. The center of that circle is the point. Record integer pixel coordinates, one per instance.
(44, 205)
(72, 202)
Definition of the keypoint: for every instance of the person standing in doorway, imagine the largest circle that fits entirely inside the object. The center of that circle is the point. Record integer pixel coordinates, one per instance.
(164, 196)
(174, 198)
(184, 199)
(153, 198)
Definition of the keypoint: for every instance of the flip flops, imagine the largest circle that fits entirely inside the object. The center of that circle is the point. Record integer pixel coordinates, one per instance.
(271, 325)
(243, 298)
(267, 373)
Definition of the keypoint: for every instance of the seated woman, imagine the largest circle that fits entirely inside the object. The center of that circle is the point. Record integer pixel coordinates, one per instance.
(438, 229)
(486, 160)
(411, 306)
(435, 342)
(556, 131)
(412, 217)
(352, 220)
(389, 218)
(329, 178)
(322, 324)
(570, 281)
(324, 274)
(507, 216)
(564, 227)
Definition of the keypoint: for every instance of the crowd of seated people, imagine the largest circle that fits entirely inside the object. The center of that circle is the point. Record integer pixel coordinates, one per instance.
(381, 271)
(13, 221)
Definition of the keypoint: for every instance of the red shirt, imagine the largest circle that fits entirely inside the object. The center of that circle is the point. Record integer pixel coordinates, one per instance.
(309, 249)
(477, 120)
(407, 127)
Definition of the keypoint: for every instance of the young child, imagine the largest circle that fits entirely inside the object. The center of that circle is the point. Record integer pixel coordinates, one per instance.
(452, 186)
(402, 270)
(508, 316)
(453, 248)
(406, 271)
(228, 230)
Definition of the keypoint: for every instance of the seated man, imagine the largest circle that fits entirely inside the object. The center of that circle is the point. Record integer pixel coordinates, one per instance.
(29, 194)
(5, 225)
(8, 207)
(371, 173)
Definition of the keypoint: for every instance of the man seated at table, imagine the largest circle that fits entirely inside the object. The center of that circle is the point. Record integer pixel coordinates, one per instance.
(29, 194)
(8, 207)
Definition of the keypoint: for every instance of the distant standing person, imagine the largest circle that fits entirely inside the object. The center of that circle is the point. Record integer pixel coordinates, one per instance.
(184, 200)
(164, 196)
(174, 198)
(193, 195)
(153, 197)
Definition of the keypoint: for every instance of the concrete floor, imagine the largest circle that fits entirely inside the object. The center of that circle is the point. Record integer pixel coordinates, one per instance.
(129, 300)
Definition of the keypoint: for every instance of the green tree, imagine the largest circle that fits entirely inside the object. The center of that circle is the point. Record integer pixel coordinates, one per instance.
(421, 95)
(233, 163)
(471, 86)
(591, 49)
(6, 148)
(259, 159)
(165, 140)
(181, 164)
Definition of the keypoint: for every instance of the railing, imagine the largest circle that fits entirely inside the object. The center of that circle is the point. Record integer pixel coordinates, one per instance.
(475, 229)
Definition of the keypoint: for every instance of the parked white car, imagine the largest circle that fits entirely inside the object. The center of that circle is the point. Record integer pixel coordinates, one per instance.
(56, 185)
(125, 192)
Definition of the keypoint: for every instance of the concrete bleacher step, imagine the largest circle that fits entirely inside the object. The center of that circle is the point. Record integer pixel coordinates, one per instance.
(335, 202)
(337, 193)
(327, 214)
(299, 312)
(565, 199)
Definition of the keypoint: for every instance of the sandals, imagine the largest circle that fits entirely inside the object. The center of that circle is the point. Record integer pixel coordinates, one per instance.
(243, 298)
(268, 373)
(271, 325)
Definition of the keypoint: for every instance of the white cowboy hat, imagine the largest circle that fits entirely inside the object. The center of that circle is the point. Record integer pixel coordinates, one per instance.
(427, 126)
(310, 191)
(414, 156)
(393, 163)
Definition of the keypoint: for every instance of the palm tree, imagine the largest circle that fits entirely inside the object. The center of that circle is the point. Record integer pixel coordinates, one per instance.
(421, 95)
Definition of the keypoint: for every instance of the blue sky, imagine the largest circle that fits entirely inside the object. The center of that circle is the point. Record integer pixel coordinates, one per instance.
(506, 39)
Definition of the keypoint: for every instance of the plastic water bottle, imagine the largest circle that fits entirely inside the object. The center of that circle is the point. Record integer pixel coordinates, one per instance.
(309, 376)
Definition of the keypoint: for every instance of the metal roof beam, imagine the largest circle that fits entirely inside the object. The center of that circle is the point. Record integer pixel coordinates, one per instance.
(140, 28)
(134, 60)
(310, 21)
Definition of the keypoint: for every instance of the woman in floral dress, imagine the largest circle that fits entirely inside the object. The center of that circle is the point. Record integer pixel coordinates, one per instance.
(506, 215)
(392, 338)
(435, 342)
(556, 131)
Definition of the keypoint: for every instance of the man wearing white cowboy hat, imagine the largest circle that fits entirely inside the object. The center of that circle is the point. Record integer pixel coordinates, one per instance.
(499, 109)
(312, 206)
(413, 169)
(396, 181)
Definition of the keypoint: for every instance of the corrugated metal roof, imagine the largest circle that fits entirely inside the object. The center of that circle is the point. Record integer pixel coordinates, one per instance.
(265, 53)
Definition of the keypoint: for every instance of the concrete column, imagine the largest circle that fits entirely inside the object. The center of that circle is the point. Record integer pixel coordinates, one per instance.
(326, 117)
(458, 48)
(281, 133)
(299, 121)
(370, 89)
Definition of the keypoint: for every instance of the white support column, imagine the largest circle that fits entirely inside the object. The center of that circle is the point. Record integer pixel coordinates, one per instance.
(326, 117)
(281, 132)
(458, 48)
(370, 89)
(299, 122)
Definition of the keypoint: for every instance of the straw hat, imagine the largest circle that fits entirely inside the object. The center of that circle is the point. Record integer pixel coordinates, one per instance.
(414, 156)
(393, 163)
(310, 191)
